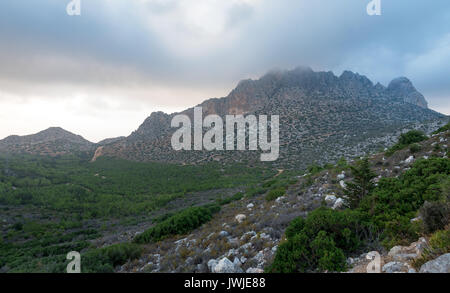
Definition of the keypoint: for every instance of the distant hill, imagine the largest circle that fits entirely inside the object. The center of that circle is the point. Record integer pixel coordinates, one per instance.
(52, 141)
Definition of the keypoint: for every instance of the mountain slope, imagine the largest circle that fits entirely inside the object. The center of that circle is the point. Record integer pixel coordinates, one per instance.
(322, 117)
(52, 141)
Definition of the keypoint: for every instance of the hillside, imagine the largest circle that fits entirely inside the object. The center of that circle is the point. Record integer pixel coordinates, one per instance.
(322, 117)
(52, 141)
(246, 234)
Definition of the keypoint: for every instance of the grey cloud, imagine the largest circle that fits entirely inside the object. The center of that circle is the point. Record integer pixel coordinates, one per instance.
(112, 43)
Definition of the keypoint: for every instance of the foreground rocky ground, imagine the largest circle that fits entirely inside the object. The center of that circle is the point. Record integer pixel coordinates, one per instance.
(244, 235)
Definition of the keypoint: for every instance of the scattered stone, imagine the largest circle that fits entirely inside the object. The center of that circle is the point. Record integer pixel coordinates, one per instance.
(342, 184)
(250, 206)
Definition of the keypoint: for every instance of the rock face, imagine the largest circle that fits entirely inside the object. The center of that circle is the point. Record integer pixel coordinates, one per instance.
(322, 116)
(403, 88)
(438, 265)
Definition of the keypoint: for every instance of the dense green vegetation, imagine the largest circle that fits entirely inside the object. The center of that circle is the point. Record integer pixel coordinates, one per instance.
(382, 214)
(179, 223)
(362, 183)
(320, 241)
(109, 188)
(407, 139)
(104, 260)
(443, 128)
(50, 206)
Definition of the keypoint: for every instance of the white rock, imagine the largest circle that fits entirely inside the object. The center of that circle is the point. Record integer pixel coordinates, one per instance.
(227, 267)
(409, 160)
(278, 200)
(254, 271)
(237, 262)
(223, 233)
(394, 267)
(342, 183)
(250, 206)
(212, 264)
(240, 218)
(438, 265)
(338, 204)
(330, 199)
(341, 176)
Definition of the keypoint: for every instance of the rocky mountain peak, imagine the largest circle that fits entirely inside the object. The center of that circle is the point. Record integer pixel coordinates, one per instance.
(403, 88)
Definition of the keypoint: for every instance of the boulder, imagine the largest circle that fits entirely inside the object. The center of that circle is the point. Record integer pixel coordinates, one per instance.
(330, 199)
(342, 184)
(250, 206)
(409, 160)
(438, 265)
(223, 233)
(339, 203)
(254, 271)
(227, 267)
(395, 267)
(240, 218)
(212, 264)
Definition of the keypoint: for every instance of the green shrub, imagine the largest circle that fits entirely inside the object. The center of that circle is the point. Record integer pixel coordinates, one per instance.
(443, 128)
(439, 244)
(435, 216)
(320, 241)
(237, 196)
(415, 147)
(180, 223)
(275, 193)
(104, 260)
(330, 258)
(362, 183)
(406, 139)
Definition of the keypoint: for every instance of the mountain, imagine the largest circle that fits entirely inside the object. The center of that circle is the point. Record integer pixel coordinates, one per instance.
(322, 117)
(52, 141)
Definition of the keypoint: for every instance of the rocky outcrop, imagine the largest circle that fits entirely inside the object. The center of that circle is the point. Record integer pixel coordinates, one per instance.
(403, 88)
(438, 265)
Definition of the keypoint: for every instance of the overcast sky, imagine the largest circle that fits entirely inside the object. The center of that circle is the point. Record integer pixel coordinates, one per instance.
(102, 73)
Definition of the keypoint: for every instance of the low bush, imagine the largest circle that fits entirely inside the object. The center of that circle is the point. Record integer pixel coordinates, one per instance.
(405, 139)
(104, 260)
(415, 147)
(180, 223)
(275, 193)
(320, 241)
(443, 128)
(435, 216)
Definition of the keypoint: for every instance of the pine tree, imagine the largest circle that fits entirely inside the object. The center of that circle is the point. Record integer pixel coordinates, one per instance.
(362, 183)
